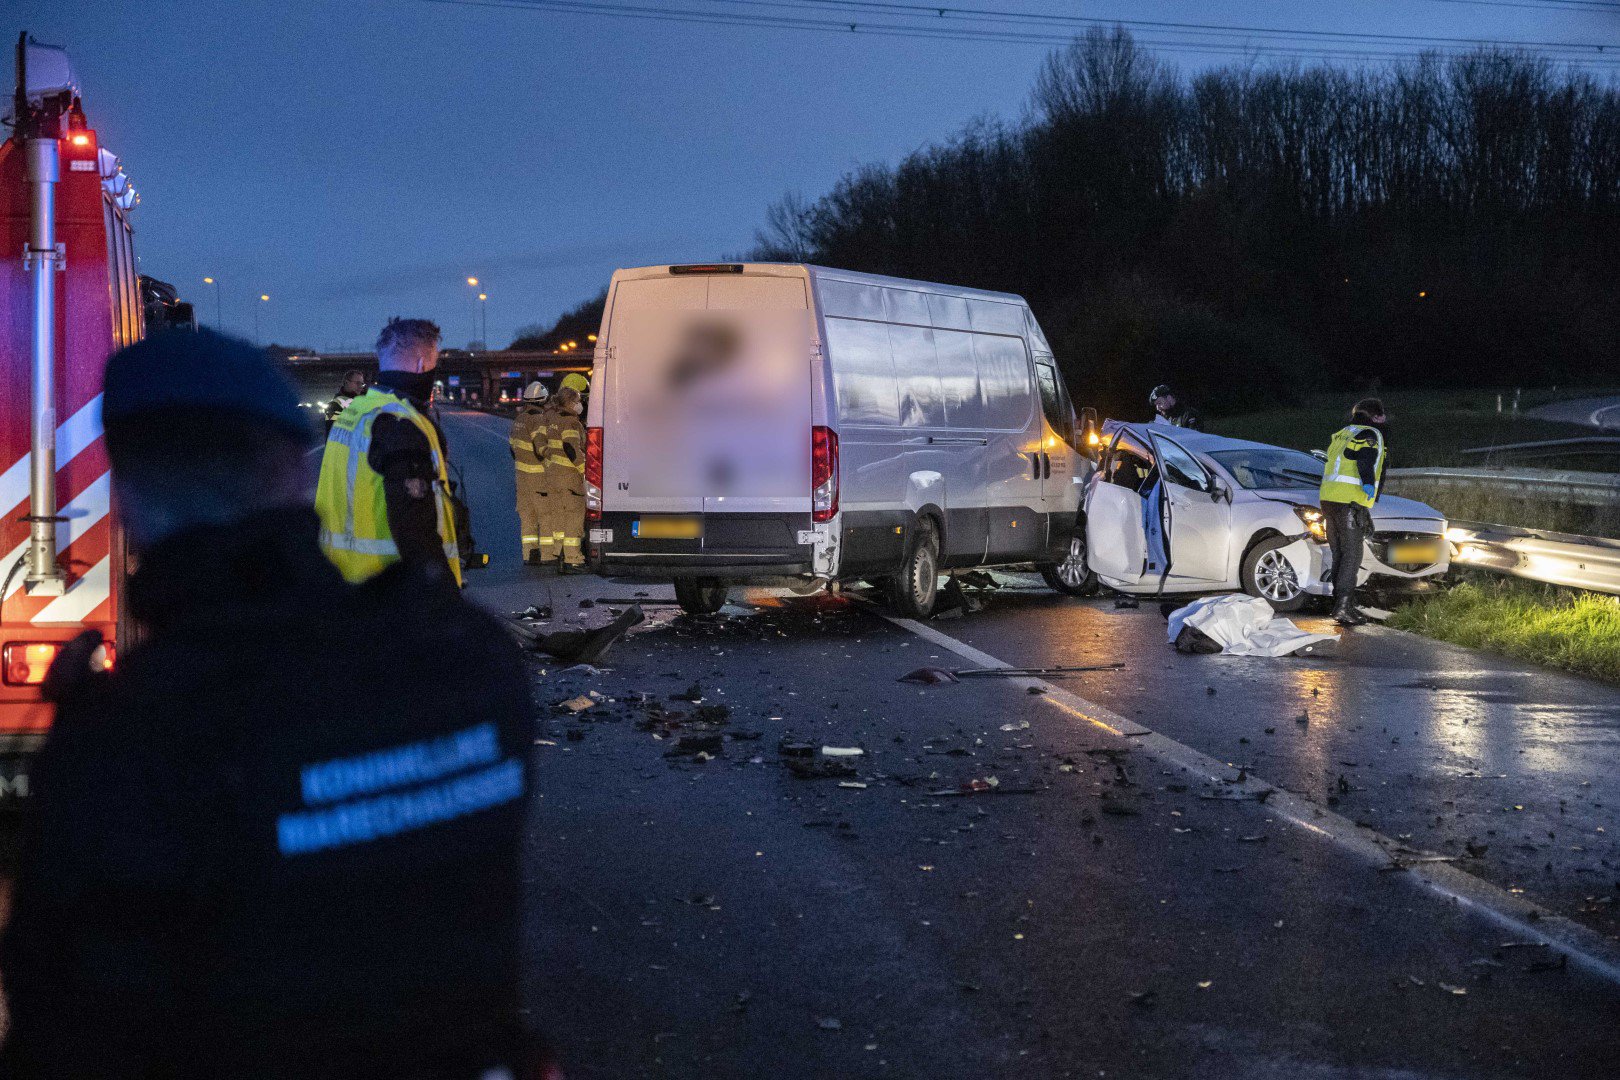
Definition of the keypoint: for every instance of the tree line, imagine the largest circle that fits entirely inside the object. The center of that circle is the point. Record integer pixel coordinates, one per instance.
(1251, 233)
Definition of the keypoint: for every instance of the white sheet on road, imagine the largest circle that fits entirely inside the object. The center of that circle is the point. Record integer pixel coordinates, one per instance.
(1243, 626)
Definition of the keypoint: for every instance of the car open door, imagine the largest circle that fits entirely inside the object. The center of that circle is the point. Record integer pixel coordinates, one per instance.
(1116, 548)
(1196, 516)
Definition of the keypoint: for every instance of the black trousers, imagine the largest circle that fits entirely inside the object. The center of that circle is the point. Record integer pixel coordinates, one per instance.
(1348, 525)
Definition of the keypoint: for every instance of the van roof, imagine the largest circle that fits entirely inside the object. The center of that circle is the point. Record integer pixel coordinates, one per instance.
(832, 273)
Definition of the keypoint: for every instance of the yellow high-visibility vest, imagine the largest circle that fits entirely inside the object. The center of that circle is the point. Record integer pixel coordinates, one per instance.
(1341, 476)
(349, 497)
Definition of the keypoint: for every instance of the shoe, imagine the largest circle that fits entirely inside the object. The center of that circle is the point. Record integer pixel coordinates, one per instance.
(572, 568)
(532, 558)
(1349, 616)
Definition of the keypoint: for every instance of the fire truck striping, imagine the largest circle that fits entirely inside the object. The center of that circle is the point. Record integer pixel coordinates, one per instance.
(73, 436)
(83, 514)
(81, 598)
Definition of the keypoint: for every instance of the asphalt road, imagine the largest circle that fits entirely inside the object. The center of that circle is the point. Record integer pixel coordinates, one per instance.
(1599, 412)
(1123, 901)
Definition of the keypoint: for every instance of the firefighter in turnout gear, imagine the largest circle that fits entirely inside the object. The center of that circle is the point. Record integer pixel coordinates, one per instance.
(1352, 479)
(528, 444)
(384, 492)
(561, 447)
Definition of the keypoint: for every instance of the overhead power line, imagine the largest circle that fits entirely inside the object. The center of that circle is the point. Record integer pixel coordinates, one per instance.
(898, 20)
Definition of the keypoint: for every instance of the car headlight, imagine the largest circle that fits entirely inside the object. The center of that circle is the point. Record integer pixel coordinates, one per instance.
(1315, 523)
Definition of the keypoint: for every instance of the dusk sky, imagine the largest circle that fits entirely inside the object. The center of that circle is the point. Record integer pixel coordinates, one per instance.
(359, 160)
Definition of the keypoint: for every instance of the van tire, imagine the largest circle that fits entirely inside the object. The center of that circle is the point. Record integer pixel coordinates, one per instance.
(700, 596)
(1258, 576)
(913, 590)
(1064, 578)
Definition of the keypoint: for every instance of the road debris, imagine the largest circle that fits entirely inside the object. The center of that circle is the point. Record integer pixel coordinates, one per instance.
(841, 751)
(691, 745)
(577, 704)
(928, 676)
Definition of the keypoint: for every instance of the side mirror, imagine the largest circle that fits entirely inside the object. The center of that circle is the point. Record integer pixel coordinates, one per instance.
(1090, 433)
(1320, 455)
(1218, 491)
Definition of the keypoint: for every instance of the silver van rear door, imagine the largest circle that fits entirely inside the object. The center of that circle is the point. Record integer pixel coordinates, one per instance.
(648, 410)
(751, 441)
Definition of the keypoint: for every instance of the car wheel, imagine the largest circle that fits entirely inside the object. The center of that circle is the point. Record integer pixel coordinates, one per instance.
(700, 596)
(1267, 574)
(1071, 577)
(913, 589)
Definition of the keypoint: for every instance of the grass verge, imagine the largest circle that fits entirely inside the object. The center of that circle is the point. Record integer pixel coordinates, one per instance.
(1427, 427)
(1574, 631)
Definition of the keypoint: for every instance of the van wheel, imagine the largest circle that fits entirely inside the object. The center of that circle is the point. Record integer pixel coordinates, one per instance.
(913, 589)
(700, 596)
(1072, 577)
(1266, 574)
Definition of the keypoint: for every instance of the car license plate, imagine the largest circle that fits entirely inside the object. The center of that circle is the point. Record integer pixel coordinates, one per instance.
(667, 528)
(1415, 552)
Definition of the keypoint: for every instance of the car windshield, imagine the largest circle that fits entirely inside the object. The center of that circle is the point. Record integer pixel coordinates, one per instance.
(1270, 467)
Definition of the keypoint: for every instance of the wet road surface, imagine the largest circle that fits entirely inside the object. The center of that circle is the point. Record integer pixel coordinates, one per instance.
(1100, 911)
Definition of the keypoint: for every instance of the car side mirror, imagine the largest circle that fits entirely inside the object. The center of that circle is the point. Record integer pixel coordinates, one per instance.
(1320, 455)
(1218, 491)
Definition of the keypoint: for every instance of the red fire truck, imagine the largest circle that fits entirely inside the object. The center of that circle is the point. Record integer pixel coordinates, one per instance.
(69, 297)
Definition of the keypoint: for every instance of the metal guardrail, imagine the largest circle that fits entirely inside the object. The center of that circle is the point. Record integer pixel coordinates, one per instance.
(1579, 446)
(1579, 562)
(1567, 486)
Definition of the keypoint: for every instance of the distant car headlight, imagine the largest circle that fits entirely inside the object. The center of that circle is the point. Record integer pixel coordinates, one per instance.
(1315, 523)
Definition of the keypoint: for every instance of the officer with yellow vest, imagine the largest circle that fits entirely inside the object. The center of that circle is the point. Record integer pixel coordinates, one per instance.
(384, 491)
(528, 460)
(560, 444)
(1351, 482)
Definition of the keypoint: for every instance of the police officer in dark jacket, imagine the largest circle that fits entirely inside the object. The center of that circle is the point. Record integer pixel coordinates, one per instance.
(281, 837)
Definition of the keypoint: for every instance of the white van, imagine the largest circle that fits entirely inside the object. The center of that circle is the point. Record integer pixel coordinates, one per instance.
(754, 422)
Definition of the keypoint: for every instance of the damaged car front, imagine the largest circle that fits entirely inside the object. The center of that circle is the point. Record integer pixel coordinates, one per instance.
(1228, 514)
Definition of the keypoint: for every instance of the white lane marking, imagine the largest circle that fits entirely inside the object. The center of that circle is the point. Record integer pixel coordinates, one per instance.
(1596, 419)
(1529, 921)
(72, 436)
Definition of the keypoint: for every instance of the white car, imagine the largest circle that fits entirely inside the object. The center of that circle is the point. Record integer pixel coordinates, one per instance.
(1231, 514)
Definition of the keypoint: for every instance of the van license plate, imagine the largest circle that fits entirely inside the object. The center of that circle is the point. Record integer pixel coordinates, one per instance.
(667, 528)
(1420, 552)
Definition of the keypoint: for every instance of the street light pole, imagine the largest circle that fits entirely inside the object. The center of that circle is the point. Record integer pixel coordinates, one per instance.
(472, 282)
(219, 305)
(264, 298)
(483, 314)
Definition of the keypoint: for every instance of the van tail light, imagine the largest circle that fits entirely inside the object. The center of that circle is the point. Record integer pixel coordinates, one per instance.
(823, 473)
(24, 663)
(593, 474)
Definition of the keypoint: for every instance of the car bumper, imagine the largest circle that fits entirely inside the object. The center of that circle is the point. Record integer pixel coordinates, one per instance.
(1375, 560)
(732, 547)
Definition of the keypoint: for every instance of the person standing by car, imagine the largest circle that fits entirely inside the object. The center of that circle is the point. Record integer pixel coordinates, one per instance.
(1352, 479)
(528, 462)
(354, 384)
(1168, 408)
(562, 484)
(384, 491)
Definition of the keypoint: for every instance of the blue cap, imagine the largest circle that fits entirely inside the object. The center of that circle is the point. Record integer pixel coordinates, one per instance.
(200, 370)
